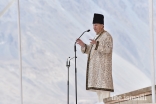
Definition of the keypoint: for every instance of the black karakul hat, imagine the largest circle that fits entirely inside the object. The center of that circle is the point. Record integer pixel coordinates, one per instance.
(98, 18)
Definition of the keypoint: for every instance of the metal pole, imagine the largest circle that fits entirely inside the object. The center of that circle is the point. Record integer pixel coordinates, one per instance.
(68, 87)
(152, 49)
(68, 65)
(20, 51)
(75, 74)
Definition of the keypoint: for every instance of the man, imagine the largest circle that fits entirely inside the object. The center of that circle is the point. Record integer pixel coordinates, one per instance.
(99, 63)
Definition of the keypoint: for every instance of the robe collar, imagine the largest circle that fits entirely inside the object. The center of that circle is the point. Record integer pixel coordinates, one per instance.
(100, 34)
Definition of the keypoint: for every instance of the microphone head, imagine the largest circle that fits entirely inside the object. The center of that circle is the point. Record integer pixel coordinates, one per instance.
(88, 30)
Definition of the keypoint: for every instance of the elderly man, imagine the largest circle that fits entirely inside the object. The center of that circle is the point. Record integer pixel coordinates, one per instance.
(99, 63)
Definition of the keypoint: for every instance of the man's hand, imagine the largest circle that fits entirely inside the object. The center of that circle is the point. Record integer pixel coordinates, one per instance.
(80, 42)
(92, 41)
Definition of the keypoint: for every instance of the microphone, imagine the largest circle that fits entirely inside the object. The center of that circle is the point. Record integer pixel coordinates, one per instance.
(83, 33)
(88, 30)
(67, 62)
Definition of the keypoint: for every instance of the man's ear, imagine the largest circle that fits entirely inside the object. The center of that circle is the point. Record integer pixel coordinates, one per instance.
(102, 26)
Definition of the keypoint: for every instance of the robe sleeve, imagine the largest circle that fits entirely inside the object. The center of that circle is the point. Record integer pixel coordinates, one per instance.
(105, 46)
(85, 49)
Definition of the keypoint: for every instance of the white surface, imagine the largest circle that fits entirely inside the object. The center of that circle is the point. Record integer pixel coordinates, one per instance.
(152, 49)
(49, 29)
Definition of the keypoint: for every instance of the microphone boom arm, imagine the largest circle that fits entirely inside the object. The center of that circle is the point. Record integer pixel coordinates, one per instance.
(83, 33)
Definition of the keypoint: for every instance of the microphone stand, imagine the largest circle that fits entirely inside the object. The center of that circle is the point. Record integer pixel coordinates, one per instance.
(76, 68)
(68, 65)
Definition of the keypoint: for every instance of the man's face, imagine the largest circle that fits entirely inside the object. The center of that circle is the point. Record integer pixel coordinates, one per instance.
(98, 27)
